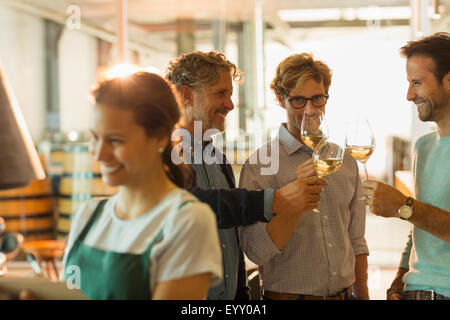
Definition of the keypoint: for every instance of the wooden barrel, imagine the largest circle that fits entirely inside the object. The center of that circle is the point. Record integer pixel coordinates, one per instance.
(80, 181)
(29, 210)
(56, 163)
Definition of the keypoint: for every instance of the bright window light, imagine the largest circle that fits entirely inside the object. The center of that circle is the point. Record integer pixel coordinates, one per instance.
(122, 70)
(386, 13)
(152, 69)
(310, 14)
(361, 13)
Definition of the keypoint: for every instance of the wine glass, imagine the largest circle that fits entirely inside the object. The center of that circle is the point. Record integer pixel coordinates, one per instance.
(327, 158)
(360, 142)
(313, 129)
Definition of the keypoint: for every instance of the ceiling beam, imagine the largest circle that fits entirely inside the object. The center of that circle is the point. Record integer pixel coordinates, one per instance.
(282, 29)
(346, 23)
(134, 44)
(325, 4)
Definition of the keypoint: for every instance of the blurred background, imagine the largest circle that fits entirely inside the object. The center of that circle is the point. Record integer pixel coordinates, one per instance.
(53, 51)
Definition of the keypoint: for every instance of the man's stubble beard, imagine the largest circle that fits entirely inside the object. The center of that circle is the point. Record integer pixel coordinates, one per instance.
(433, 108)
(296, 122)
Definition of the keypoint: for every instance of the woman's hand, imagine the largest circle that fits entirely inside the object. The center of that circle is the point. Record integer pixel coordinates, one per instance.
(188, 288)
(26, 295)
(23, 295)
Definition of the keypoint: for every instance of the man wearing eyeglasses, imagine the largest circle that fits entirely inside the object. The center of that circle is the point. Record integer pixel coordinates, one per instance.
(323, 255)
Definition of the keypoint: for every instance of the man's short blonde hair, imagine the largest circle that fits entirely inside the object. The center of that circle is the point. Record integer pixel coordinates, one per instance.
(296, 69)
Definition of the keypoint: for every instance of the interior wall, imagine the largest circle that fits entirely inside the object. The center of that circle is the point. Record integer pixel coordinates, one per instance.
(22, 55)
(77, 72)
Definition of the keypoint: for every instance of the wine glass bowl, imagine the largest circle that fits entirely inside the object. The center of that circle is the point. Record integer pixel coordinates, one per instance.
(326, 166)
(313, 129)
(327, 158)
(360, 141)
(360, 153)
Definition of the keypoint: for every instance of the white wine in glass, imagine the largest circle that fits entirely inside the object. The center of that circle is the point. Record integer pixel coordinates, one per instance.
(313, 129)
(326, 166)
(360, 153)
(327, 159)
(360, 141)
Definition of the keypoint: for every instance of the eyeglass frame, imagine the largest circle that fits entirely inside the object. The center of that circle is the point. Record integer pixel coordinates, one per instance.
(290, 98)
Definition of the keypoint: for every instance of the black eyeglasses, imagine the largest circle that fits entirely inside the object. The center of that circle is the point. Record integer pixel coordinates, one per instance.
(300, 102)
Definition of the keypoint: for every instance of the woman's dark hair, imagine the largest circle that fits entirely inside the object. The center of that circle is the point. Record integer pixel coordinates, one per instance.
(156, 106)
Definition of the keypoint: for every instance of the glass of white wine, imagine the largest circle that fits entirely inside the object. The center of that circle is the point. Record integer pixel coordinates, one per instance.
(327, 158)
(360, 142)
(313, 129)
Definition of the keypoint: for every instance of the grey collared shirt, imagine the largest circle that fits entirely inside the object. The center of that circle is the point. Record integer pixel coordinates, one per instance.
(211, 176)
(319, 258)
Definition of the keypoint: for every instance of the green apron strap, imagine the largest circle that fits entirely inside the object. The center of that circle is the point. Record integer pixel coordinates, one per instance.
(185, 203)
(159, 237)
(94, 216)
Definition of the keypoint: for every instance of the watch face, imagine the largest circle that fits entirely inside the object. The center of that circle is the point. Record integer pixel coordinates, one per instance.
(405, 212)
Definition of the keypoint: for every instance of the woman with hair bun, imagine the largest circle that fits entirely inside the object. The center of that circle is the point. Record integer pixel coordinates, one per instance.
(153, 239)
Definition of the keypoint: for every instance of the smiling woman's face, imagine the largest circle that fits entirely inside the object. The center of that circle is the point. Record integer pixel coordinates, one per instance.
(121, 146)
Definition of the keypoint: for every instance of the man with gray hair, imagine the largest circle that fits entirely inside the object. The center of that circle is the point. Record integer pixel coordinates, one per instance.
(205, 83)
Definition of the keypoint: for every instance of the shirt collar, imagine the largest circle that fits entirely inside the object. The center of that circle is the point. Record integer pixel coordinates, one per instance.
(290, 143)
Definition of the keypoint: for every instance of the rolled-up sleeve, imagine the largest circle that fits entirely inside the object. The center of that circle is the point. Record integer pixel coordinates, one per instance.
(268, 204)
(254, 239)
(257, 244)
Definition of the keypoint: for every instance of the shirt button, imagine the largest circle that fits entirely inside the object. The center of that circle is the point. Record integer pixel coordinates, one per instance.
(330, 245)
(226, 275)
(334, 273)
(224, 245)
(325, 217)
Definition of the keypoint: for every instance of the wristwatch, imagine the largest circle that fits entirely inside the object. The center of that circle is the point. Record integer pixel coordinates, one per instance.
(406, 211)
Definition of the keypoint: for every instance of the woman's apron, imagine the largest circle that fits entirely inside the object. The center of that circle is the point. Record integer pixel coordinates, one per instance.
(108, 274)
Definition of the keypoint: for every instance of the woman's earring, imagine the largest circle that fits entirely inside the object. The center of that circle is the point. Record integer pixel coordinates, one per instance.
(188, 111)
(160, 149)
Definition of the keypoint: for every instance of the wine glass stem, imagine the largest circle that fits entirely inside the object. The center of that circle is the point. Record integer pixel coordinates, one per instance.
(365, 171)
(367, 178)
(315, 209)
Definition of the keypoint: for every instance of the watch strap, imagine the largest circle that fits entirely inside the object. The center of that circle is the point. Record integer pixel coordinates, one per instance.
(409, 202)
